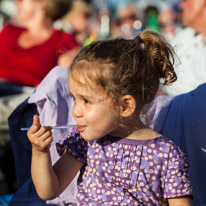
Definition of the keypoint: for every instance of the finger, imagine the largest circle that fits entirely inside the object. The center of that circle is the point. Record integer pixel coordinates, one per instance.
(45, 135)
(35, 126)
(36, 119)
(43, 130)
(44, 142)
(36, 131)
(45, 145)
(47, 141)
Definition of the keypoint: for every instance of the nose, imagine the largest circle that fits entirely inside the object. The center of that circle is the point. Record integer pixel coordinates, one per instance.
(76, 110)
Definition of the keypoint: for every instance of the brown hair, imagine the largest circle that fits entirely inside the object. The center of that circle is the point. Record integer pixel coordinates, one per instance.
(55, 9)
(122, 67)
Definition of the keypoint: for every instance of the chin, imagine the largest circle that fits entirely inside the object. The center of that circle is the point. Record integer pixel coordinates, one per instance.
(89, 137)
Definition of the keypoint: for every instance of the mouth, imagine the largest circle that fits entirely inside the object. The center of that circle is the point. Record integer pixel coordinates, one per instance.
(81, 128)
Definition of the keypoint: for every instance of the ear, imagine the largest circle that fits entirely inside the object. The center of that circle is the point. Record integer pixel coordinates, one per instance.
(128, 105)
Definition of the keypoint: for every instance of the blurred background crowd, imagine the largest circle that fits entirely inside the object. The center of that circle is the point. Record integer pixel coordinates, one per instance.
(84, 21)
(101, 19)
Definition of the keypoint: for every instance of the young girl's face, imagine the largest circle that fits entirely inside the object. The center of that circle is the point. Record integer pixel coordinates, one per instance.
(92, 111)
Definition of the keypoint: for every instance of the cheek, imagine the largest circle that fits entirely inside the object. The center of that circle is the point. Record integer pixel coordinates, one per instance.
(73, 110)
(191, 9)
(26, 10)
(81, 23)
(91, 115)
(98, 116)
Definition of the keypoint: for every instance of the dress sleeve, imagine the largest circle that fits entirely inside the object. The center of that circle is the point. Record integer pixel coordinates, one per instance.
(74, 144)
(176, 182)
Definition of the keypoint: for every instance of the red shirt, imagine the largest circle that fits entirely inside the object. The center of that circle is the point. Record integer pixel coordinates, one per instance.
(29, 66)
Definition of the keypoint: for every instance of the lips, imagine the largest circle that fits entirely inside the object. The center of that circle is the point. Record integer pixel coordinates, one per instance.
(81, 128)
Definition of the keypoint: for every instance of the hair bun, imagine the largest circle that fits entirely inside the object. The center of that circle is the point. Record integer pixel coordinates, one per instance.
(139, 41)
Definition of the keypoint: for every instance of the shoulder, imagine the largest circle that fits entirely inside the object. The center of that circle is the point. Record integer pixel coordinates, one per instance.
(167, 144)
(12, 28)
(164, 147)
(63, 39)
(64, 35)
(159, 144)
(184, 40)
(184, 34)
(10, 32)
(172, 153)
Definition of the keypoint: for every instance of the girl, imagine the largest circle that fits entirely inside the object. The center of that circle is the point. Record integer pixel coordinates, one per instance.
(122, 161)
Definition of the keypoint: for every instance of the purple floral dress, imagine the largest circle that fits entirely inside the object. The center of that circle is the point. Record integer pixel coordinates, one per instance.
(120, 171)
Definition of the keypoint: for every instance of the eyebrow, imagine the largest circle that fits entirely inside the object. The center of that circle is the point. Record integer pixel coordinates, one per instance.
(82, 96)
(89, 97)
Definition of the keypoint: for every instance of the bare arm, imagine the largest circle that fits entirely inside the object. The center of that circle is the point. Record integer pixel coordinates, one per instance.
(180, 201)
(49, 181)
(66, 59)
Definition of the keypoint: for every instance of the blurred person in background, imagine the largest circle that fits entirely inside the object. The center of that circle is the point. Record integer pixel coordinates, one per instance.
(167, 19)
(182, 111)
(29, 48)
(76, 21)
(127, 23)
(150, 17)
(190, 44)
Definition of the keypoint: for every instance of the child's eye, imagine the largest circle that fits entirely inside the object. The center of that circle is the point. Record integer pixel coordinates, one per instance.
(72, 97)
(86, 101)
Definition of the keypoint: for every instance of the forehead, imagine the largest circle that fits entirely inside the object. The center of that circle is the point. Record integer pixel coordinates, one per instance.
(84, 73)
(81, 89)
(81, 85)
(76, 82)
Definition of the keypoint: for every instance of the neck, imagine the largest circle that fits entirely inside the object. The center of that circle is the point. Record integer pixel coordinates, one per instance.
(201, 29)
(43, 26)
(129, 129)
(200, 26)
(38, 25)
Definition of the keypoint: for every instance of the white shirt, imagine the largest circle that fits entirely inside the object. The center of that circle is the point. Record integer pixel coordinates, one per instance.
(191, 66)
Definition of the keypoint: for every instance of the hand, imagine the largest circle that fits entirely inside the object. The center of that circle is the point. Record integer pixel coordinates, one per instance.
(39, 136)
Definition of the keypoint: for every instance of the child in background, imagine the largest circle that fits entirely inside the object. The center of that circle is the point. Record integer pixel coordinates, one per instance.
(122, 161)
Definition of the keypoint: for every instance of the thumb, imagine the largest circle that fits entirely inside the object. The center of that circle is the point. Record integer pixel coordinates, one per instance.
(35, 126)
(36, 119)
